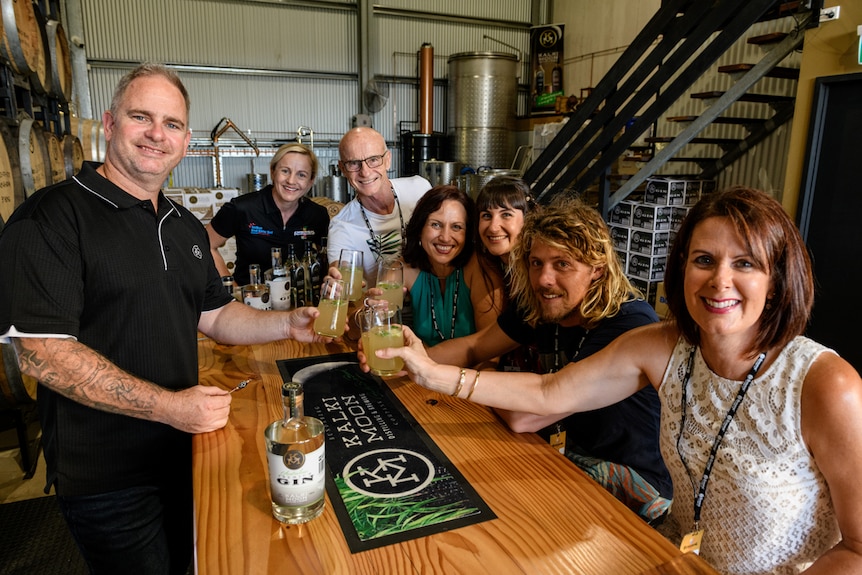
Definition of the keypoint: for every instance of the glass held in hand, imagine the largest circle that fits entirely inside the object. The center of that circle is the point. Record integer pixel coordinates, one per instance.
(381, 328)
(351, 266)
(332, 308)
(390, 279)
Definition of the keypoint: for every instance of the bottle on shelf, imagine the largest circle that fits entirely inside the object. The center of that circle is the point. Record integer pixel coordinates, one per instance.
(296, 457)
(279, 285)
(256, 293)
(296, 274)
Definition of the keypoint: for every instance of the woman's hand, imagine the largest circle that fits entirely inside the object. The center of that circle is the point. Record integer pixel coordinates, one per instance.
(421, 368)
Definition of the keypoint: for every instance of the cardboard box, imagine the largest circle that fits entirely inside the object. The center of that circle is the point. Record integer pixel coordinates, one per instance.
(623, 257)
(221, 196)
(228, 254)
(650, 268)
(677, 216)
(653, 293)
(620, 237)
(621, 214)
(651, 217)
(665, 192)
(199, 201)
(650, 243)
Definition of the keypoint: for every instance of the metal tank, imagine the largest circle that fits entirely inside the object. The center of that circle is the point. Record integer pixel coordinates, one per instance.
(483, 90)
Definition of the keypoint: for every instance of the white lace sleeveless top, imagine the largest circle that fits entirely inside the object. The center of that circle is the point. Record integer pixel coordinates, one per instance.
(767, 507)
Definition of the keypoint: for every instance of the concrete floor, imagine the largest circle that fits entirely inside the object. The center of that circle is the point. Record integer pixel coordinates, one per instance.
(13, 486)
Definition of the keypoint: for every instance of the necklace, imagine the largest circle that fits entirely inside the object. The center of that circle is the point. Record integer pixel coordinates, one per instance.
(700, 489)
(377, 240)
(433, 288)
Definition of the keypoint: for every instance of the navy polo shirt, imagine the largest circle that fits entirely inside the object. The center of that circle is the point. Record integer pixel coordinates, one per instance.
(256, 222)
(85, 259)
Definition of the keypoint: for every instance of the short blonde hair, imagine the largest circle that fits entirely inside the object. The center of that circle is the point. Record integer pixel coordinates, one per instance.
(295, 149)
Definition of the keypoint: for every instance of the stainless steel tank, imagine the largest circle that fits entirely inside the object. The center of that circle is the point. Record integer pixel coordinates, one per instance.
(483, 89)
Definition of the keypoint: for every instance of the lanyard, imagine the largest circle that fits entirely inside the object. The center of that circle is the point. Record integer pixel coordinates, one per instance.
(557, 365)
(375, 240)
(431, 283)
(716, 444)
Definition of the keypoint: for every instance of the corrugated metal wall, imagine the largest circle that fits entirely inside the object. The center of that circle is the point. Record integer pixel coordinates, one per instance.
(274, 66)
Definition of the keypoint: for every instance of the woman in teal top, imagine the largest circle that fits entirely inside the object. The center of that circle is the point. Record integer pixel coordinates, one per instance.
(452, 294)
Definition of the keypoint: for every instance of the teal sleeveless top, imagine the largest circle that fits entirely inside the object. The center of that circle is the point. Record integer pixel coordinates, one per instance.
(430, 305)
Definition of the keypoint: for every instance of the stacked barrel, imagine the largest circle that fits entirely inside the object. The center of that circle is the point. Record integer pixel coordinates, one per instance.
(40, 142)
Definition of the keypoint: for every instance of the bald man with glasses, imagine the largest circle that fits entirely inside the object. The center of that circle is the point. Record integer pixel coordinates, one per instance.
(375, 220)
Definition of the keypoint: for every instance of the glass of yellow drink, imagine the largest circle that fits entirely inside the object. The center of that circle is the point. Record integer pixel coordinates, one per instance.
(390, 278)
(381, 328)
(332, 308)
(351, 266)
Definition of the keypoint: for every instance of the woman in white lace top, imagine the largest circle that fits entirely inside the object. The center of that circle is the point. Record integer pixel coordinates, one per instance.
(780, 414)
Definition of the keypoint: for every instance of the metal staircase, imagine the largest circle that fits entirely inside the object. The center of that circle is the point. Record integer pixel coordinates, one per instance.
(679, 45)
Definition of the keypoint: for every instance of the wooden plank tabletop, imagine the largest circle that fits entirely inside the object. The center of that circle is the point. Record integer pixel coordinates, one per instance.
(551, 518)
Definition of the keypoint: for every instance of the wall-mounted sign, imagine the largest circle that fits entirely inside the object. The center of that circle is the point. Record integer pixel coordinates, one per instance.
(546, 65)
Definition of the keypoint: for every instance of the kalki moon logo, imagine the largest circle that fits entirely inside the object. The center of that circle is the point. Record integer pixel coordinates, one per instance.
(196, 251)
(548, 38)
(294, 459)
(385, 473)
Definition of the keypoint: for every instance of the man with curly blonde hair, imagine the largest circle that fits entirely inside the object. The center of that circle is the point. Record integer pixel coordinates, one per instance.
(571, 298)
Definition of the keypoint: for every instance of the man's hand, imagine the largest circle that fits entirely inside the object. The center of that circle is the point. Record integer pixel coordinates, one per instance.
(198, 409)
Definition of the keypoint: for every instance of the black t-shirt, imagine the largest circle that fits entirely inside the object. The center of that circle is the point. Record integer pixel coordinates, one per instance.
(256, 222)
(626, 432)
(85, 259)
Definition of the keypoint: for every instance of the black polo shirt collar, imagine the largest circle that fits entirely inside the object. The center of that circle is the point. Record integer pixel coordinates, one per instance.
(91, 180)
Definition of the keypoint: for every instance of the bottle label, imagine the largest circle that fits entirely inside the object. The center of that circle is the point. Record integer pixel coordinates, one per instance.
(279, 293)
(262, 302)
(297, 479)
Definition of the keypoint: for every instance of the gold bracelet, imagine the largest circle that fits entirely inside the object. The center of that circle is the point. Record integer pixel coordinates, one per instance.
(460, 382)
(475, 383)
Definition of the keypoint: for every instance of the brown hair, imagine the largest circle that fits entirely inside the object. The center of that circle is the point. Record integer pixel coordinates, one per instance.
(143, 71)
(571, 226)
(776, 248)
(413, 252)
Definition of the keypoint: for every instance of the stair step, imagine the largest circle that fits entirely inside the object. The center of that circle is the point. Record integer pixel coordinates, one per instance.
(717, 141)
(777, 72)
(719, 120)
(772, 38)
(758, 98)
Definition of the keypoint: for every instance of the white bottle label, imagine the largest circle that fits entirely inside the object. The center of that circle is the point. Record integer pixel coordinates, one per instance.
(297, 479)
(263, 302)
(279, 293)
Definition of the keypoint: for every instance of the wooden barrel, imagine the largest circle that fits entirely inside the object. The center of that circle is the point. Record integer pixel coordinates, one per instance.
(23, 42)
(73, 154)
(92, 136)
(16, 389)
(32, 155)
(60, 57)
(11, 186)
(55, 157)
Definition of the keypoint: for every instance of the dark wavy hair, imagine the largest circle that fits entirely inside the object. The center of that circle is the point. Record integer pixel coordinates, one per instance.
(413, 253)
(776, 248)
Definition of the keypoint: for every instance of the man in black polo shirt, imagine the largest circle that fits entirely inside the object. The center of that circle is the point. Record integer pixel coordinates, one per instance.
(571, 299)
(105, 285)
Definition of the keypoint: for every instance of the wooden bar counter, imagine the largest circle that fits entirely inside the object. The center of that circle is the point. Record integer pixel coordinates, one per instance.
(551, 518)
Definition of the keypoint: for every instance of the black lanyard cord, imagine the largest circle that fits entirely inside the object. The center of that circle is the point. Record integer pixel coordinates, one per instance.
(716, 444)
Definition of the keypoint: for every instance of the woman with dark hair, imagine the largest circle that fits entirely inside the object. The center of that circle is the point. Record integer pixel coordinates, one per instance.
(502, 205)
(450, 293)
(760, 425)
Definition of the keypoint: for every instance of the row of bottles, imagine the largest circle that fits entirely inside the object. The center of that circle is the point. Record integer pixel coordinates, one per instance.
(293, 283)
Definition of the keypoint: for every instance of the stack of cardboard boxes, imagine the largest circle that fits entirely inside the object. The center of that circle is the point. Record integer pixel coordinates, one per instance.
(204, 203)
(643, 231)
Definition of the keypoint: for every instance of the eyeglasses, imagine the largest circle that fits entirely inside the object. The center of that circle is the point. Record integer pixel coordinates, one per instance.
(370, 161)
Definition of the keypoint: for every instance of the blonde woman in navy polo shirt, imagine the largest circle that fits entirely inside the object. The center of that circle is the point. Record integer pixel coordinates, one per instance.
(278, 215)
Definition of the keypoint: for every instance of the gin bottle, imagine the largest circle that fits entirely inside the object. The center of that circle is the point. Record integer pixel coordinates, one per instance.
(312, 278)
(279, 285)
(256, 293)
(295, 452)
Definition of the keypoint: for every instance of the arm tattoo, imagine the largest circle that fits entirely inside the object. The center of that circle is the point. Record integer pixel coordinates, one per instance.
(83, 375)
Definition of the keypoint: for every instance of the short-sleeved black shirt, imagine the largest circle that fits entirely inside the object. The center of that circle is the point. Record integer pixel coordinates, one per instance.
(256, 222)
(85, 259)
(626, 432)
